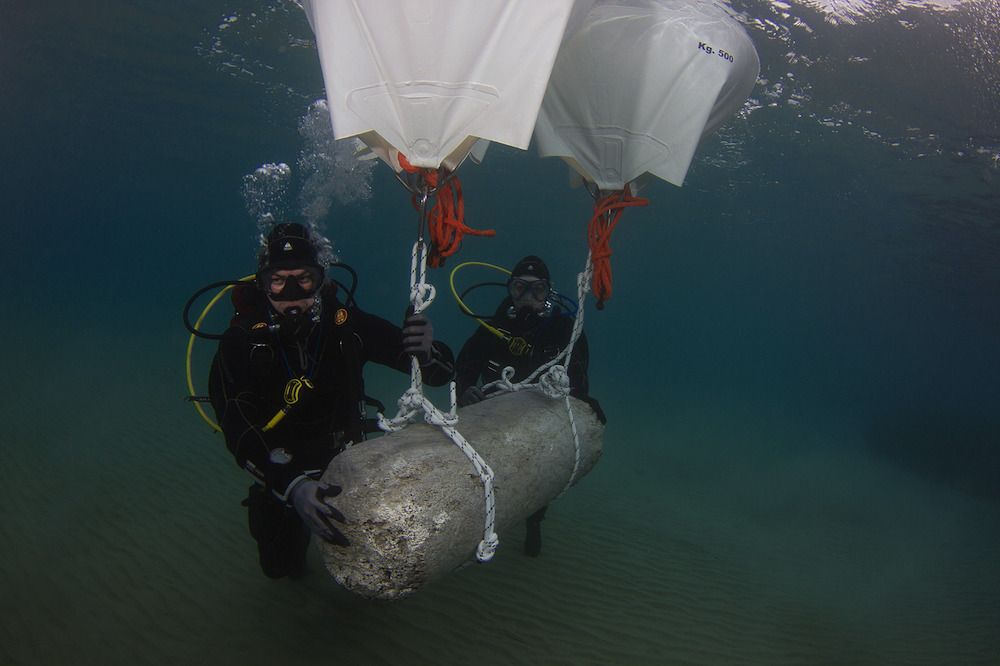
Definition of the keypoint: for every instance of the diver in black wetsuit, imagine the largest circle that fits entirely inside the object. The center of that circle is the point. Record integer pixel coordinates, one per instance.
(287, 388)
(536, 330)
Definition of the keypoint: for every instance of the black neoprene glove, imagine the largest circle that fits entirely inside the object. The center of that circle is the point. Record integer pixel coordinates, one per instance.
(418, 336)
(471, 396)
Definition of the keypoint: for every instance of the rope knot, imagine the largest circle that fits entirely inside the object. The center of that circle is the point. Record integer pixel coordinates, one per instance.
(554, 382)
(506, 378)
(412, 400)
(422, 295)
(487, 547)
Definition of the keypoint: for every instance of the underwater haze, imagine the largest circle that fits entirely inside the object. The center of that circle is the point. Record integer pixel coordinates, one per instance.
(800, 362)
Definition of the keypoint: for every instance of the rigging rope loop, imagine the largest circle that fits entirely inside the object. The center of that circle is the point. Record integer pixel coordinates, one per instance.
(413, 403)
(422, 293)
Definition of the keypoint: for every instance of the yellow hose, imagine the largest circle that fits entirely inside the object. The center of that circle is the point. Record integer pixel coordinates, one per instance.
(190, 348)
(451, 281)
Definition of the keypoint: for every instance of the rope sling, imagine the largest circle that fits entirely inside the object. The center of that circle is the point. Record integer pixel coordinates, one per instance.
(413, 403)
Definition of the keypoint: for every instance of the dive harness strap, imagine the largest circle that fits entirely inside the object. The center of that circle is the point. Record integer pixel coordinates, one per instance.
(297, 388)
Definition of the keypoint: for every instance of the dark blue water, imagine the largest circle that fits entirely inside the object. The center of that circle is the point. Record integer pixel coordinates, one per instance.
(799, 361)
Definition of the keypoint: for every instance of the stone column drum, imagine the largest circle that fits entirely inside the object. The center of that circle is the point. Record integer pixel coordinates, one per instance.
(414, 504)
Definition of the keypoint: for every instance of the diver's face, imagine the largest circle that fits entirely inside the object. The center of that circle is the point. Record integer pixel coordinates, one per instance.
(297, 279)
(528, 292)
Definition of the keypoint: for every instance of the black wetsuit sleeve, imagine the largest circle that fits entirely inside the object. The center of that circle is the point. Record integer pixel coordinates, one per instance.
(577, 371)
(471, 360)
(239, 404)
(382, 343)
(578, 380)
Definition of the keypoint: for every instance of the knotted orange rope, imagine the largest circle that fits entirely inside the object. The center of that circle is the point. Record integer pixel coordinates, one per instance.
(607, 211)
(445, 222)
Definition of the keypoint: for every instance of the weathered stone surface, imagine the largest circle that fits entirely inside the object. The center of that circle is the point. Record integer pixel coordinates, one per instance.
(414, 503)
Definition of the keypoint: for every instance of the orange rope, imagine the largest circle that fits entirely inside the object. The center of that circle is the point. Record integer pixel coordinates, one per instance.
(607, 211)
(445, 222)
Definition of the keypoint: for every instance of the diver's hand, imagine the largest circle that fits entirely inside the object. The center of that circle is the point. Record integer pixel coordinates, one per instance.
(418, 336)
(471, 396)
(307, 498)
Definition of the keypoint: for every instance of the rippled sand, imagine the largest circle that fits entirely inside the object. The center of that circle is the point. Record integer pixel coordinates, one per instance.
(127, 544)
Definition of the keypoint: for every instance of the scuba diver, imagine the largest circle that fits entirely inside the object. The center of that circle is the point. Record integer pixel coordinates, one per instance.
(530, 328)
(287, 388)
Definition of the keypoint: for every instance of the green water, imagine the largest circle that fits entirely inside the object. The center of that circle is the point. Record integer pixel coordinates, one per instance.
(799, 367)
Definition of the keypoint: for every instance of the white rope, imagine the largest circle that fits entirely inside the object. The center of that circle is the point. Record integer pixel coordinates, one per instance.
(422, 294)
(553, 377)
(413, 403)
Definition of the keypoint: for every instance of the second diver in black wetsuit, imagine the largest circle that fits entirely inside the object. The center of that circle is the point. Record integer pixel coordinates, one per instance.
(537, 330)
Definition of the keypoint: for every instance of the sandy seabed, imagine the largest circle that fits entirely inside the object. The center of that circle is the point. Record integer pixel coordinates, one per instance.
(703, 542)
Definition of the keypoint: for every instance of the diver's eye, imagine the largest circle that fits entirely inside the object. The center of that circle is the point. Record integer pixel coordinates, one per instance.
(540, 289)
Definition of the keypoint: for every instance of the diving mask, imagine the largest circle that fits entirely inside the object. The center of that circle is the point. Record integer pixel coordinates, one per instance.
(538, 289)
(292, 285)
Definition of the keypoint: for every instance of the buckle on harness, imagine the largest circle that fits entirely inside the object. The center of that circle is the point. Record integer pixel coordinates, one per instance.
(293, 389)
(519, 346)
(296, 389)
